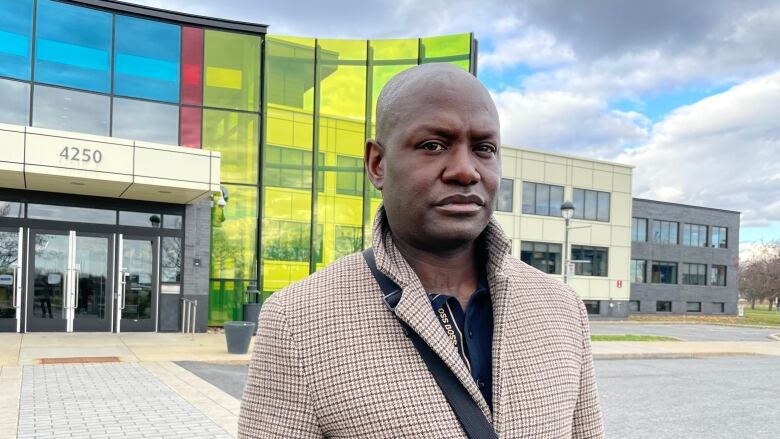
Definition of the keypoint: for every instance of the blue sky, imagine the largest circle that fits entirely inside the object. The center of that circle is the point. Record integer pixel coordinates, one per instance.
(685, 91)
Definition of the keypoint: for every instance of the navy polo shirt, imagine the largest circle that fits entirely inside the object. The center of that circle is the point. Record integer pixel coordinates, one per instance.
(471, 331)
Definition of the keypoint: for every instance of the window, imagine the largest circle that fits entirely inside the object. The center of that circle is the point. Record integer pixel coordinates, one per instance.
(71, 214)
(638, 269)
(145, 121)
(349, 240)
(592, 306)
(146, 59)
(693, 307)
(287, 167)
(349, 176)
(542, 256)
(694, 235)
(286, 240)
(664, 273)
(505, 195)
(665, 306)
(16, 38)
(11, 209)
(236, 136)
(718, 237)
(718, 275)
(69, 110)
(665, 232)
(639, 229)
(73, 46)
(542, 199)
(172, 221)
(634, 306)
(591, 205)
(232, 71)
(171, 260)
(718, 307)
(14, 102)
(140, 219)
(594, 260)
(694, 274)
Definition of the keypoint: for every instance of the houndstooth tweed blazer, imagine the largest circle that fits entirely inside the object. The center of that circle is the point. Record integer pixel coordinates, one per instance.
(331, 361)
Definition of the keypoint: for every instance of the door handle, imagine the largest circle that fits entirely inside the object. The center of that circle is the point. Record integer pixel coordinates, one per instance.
(76, 271)
(13, 287)
(123, 274)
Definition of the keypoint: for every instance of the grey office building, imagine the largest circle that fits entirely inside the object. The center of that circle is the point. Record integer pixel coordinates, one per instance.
(683, 259)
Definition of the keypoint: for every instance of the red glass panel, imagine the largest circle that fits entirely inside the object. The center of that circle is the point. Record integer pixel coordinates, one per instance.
(192, 66)
(189, 134)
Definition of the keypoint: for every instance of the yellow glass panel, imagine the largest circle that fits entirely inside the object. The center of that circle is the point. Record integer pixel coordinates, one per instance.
(395, 50)
(454, 49)
(342, 50)
(235, 135)
(232, 71)
(233, 234)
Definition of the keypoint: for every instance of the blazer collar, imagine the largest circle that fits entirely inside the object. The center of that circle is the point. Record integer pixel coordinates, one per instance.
(415, 308)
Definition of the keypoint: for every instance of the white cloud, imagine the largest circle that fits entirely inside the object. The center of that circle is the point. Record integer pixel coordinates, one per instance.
(723, 151)
(535, 49)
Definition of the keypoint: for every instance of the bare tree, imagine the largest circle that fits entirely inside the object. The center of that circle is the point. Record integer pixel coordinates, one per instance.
(759, 276)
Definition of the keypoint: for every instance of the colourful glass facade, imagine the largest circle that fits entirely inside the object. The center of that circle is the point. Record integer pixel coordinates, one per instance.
(289, 115)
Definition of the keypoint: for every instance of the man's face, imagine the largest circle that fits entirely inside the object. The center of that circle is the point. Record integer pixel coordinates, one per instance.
(441, 165)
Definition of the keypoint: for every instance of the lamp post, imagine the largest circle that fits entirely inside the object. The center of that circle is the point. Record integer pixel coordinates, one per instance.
(567, 212)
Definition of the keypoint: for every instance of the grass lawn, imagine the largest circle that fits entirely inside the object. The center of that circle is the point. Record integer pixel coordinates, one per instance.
(760, 316)
(631, 337)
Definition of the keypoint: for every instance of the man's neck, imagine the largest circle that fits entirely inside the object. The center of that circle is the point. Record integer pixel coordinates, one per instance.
(453, 272)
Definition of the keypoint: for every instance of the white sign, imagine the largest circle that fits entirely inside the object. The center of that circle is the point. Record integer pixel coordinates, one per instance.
(6, 279)
(570, 269)
(54, 279)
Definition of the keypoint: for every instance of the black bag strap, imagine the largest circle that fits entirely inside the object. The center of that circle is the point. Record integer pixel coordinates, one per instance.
(466, 410)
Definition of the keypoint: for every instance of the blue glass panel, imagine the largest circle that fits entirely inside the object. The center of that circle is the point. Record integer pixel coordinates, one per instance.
(73, 46)
(15, 38)
(147, 57)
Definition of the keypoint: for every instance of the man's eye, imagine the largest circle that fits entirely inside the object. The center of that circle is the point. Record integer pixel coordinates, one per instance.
(432, 146)
(485, 147)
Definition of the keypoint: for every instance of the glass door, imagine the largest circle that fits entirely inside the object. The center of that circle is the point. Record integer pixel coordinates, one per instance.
(137, 283)
(10, 279)
(69, 281)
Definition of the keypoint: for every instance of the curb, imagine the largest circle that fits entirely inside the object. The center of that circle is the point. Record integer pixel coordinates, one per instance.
(672, 356)
(672, 322)
(775, 336)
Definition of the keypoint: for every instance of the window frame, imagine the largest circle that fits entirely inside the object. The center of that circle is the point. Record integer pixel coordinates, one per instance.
(551, 206)
(633, 270)
(587, 196)
(579, 270)
(635, 229)
(558, 262)
(687, 273)
(660, 264)
(502, 188)
(665, 229)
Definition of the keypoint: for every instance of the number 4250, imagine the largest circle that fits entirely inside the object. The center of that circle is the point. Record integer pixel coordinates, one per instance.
(81, 155)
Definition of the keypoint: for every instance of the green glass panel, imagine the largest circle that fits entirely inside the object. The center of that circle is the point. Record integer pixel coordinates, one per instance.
(342, 50)
(233, 232)
(401, 51)
(225, 300)
(235, 135)
(287, 162)
(231, 71)
(455, 49)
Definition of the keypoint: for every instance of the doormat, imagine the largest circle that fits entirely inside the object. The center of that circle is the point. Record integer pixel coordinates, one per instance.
(77, 360)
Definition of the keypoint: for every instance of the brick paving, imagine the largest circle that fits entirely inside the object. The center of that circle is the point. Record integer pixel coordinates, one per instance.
(122, 400)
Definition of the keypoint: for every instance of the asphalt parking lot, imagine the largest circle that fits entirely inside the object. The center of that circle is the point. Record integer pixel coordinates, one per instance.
(687, 332)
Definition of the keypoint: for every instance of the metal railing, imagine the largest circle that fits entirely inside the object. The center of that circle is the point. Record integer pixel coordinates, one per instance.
(189, 310)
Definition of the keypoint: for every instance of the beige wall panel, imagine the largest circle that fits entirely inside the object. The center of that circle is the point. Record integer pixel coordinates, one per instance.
(600, 234)
(164, 193)
(12, 175)
(44, 178)
(619, 262)
(115, 158)
(582, 177)
(550, 158)
(581, 285)
(580, 235)
(555, 173)
(603, 167)
(532, 170)
(507, 223)
(599, 288)
(216, 177)
(621, 236)
(627, 170)
(602, 181)
(621, 183)
(531, 228)
(587, 164)
(532, 155)
(554, 230)
(620, 209)
(620, 293)
(508, 167)
(173, 165)
(12, 146)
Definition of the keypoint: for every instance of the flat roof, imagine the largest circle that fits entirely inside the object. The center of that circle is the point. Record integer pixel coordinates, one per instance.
(173, 16)
(567, 156)
(686, 205)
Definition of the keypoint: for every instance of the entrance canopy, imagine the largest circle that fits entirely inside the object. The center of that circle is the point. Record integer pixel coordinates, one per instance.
(58, 161)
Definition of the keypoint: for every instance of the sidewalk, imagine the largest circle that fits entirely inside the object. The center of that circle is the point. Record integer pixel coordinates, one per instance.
(682, 349)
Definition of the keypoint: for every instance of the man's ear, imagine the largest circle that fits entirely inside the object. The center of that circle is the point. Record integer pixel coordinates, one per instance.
(375, 163)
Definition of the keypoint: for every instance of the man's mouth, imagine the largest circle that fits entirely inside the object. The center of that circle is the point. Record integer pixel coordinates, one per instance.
(460, 204)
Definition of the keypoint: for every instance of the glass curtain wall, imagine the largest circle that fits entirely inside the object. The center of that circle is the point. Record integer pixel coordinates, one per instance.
(320, 107)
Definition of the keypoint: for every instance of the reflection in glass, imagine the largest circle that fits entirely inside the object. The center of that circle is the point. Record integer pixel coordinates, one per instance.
(137, 259)
(146, 61)
(11, 209)
(14, 102)
(232, 71)
(69, 110)
(146, 121)
(190, 126)
(49, 274)
(92, 260)
(9, 253)
(139, 219)
(191, 65)
(236, 136)
(73, 46)
(70, 213)
(16, 38)
(233, 235)
(171, 259)
(172, 221)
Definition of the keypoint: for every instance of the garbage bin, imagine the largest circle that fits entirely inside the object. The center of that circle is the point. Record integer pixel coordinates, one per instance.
(238, 336)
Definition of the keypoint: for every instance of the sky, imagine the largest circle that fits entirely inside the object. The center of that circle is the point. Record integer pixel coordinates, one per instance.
(688, 92)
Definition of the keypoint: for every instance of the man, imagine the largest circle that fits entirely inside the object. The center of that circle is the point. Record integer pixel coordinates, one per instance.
(331, 360)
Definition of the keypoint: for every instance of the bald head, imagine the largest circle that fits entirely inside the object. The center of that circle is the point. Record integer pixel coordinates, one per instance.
(404, 90)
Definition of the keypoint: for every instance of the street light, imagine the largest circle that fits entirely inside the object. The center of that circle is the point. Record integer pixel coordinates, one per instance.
(567, 212)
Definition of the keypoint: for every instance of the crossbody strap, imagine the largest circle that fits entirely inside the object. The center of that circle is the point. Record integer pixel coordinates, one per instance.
(466, 410)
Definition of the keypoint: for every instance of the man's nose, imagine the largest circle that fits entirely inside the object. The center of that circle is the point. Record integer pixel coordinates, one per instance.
(461, 167)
